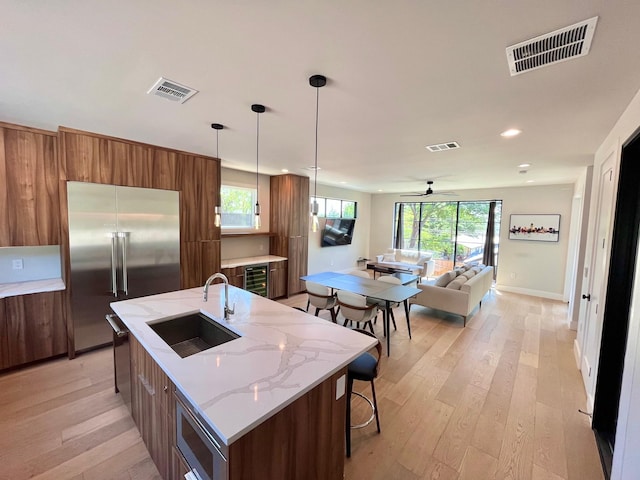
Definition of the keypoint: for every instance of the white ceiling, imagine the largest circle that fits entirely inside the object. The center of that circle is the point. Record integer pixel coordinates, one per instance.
(402, 75)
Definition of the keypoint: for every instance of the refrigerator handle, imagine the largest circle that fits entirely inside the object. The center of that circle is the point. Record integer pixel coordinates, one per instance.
(125, 274)
(114, 265)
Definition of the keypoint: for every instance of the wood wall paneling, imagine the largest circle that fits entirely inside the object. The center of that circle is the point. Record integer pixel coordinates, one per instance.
(198, 181)
(31, 190)
(35, 326)
(163, 169)
(198, 261)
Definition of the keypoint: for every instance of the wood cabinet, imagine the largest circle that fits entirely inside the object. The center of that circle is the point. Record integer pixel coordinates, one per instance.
(153, 407)
(289, 222)
(278, 279)
(32, 327)
(28, 187)
(235, 276)
(304, 440)
(89, 157)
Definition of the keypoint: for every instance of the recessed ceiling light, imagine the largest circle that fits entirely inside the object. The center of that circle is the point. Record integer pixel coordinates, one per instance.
(343, 182)
(524, 165)
(379, 190)
(512, 132)
(284, 170)
(530, 181)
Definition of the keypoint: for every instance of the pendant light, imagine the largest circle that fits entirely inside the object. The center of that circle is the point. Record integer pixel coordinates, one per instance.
(316, 81)
(256, 214)
(217, 210)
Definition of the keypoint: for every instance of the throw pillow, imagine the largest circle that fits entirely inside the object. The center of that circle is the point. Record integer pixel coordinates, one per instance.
(457, 283)
(444, 279)
(477, 269)
(388, 257)
(468, 274)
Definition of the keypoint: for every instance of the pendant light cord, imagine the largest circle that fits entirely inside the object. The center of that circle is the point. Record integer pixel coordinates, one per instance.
(315, 170)
(257, 144)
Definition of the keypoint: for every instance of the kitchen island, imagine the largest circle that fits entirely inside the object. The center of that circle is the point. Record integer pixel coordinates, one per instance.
(275, 397)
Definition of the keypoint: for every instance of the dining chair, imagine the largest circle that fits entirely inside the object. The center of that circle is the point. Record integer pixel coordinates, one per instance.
(354, 308)
(364, 368)
(322, 298)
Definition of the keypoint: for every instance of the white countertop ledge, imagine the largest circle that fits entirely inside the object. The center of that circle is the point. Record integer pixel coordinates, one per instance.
(242, 261)
(33, 286)
(282, 354)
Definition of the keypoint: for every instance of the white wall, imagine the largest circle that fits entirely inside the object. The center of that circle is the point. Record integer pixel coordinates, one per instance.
(626, 461)
(341, 258)
(532, 268)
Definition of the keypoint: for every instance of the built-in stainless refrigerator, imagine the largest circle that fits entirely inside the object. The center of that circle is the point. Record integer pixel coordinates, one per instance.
(124, 243)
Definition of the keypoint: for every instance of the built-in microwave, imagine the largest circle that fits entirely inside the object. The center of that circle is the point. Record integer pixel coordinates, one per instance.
(200, 446)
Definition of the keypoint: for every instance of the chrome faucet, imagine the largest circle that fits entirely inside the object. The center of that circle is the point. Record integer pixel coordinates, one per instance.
(205, 293)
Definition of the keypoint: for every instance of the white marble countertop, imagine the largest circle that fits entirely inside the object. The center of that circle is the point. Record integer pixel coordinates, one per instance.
(240, 262)
(33, 286)
(282, 354)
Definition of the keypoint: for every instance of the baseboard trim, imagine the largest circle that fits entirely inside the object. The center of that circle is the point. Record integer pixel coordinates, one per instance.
(530, 292)
(577, 353)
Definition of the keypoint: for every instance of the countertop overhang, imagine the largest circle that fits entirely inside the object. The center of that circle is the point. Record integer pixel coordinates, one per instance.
(242, 261)
(282, 354)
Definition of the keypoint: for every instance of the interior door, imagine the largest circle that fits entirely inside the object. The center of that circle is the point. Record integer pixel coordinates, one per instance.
(149, 240)
(594, 307)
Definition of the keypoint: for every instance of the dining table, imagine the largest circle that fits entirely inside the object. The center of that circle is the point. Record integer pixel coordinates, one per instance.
(389, 293)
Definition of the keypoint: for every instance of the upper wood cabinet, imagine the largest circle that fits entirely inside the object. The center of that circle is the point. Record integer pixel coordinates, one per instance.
(289, 221)
(28, 187)
(88, 157)
(289, 208)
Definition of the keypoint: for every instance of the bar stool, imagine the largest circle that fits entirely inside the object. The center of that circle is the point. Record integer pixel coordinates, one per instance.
(363, 368)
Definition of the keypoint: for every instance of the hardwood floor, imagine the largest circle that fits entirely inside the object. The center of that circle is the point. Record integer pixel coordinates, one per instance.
(498, 399)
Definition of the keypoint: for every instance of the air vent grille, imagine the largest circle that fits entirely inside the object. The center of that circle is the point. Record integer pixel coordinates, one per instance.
(440, 147)
(555, 47)
(172, 90)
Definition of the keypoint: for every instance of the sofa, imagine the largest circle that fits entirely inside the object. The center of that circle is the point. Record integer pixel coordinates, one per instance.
(458, 291)
(421, 263)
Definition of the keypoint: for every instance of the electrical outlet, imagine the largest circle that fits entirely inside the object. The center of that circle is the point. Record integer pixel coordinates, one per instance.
(17, 264)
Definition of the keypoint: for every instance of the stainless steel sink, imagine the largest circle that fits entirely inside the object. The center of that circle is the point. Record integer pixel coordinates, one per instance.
(192, 334)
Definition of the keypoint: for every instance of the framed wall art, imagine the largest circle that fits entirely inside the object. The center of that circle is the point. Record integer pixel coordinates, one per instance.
(538, 228)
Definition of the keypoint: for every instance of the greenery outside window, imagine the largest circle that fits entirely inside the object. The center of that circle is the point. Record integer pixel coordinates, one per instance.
(335, 208)
(237, 207)
(454, 232)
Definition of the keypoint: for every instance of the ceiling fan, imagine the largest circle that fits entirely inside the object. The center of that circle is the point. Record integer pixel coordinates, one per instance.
(428, 192)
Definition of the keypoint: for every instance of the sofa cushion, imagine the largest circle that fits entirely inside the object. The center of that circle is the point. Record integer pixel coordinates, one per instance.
(477, 269)
(468, 274)
(444, 279)
(388, 257)
(457, 283)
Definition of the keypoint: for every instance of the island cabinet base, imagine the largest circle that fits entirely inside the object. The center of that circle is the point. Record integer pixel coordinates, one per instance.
(304, 440)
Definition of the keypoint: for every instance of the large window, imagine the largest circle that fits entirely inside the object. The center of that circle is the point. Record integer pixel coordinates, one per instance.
(454, 232)
(336, 208)
(237, 206)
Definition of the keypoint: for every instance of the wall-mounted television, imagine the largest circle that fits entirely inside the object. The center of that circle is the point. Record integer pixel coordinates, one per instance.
(337, 231)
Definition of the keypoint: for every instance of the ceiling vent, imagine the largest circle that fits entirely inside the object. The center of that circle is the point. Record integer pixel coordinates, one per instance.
(172, 90)
(440, 147)
(564, 44)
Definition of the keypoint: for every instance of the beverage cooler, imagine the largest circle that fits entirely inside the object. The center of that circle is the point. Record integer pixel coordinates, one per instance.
(256, 279)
